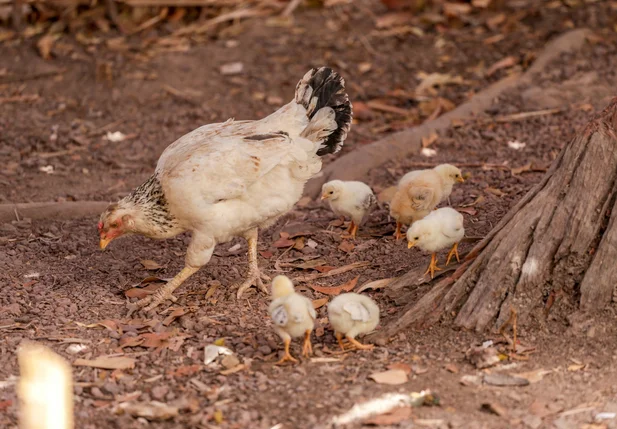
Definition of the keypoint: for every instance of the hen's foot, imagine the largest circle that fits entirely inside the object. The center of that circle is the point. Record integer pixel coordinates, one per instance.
(151, 301)
(254, 278)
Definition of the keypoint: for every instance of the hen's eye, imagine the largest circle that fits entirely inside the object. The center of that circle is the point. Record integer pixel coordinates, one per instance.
(114, 225)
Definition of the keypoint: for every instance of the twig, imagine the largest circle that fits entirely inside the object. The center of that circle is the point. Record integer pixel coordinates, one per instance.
(524, 115)
(231, 16)
(33, 76)
(333, 272)
(20, 99)
(150, 22)
(293, 4)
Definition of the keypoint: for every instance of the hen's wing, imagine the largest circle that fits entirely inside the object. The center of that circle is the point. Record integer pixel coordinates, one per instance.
(421, 197)
(223, 163)
(357, 311)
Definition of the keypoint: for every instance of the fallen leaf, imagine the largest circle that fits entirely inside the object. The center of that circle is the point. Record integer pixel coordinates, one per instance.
(218, 417)
(156, 339)
(324, 268)
(402, 366)
(131, 341)
(324, 360)
(495, 191)
(336, 290)
(307, 264)
(318, 303)
(429, 81)
(494, 21)
(174, 315)
(471, 380)
(506, 62)
(233, 370)
(346, 246)
(518, 170)
(111, 325)
(104, 362)
(430, 139)
(185, 370)
(494, 408)
(299, 243)
(5, 404)
(284, 241)
(391, 377)
(299, 230)
(451, 368)
(393, 417)
(230, 361)
(266, 254)
(481, 3)
(212, 289)
(392, 19)
(576, 367)
(141, 292)
(375, 284)
(364, 67)
(455, 10)
(499, 379)
(150, 264)
(152, 410)
(483, 357)
(468, 210)
(45, 44)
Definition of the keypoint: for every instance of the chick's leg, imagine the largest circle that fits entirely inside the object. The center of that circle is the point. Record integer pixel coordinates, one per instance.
(358, 345)
(287, 357)
(339, 338)
(453, 252)
(397, 234)
(254, 276)
(307, 347)
(432, 266)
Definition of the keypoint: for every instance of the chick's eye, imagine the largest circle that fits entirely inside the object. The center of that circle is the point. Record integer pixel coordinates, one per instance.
(331, 192)
(416, 238)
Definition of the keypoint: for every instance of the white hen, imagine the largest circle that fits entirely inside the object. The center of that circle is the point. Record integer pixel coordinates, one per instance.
(351, 199)
(440, 229)
(227, 180)
(351, 314)
(293, 316)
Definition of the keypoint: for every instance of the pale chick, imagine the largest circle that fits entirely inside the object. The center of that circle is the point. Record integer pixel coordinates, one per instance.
(229, 179)
(350, 199)
(440, 229)
(420, 191)
(293, 316)
(351, 314)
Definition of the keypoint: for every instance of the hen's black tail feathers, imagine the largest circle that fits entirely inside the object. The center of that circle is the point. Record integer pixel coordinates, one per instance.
(321, 88)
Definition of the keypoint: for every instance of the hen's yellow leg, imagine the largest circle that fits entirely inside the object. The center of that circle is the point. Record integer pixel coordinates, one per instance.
(287, 357)
(397, 233)
(307, 348)
(165, 292)
(358, 345)
(432, 266)
(254, 276)
(453, 252)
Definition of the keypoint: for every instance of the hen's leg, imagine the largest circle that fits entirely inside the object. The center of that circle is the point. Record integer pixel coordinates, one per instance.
(453, 252)
(307, 348)
(198, 254)
(254, 276)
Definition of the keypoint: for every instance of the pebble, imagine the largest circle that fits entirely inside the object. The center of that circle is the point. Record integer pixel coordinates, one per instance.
(265, 350)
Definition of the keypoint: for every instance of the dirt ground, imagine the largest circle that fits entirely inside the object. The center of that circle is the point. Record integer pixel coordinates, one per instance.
(58, 288)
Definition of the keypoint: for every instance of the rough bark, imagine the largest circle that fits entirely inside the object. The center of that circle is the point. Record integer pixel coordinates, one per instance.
(356, 165)
(561, 236)
(52, 210)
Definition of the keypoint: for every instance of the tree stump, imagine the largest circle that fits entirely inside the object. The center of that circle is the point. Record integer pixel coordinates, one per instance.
(561, 237)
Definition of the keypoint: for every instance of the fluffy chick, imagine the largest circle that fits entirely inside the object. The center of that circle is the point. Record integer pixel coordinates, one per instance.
(351, 314)
(293, 316)
(440, 229)
(420, 191)
(351, 199)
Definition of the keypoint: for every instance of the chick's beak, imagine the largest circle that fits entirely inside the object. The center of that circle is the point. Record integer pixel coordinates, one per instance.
(324, 197)
(410, 244)
(460, 179)
(104, 242)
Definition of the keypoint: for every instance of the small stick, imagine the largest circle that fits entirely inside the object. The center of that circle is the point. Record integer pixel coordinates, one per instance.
(293, 4)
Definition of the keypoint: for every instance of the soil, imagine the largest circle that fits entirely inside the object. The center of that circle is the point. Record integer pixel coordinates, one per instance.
(57, 285)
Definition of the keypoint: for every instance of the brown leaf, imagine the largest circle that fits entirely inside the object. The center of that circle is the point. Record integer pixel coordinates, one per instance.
(455, 10)
(318, 303)
(111, 325)
(336, 290)
(361, 111)
(391, 418)
(346, 246)
(142, 292)
(468, 210)
(495, 21)
(284, 241)
(266, 254)
(375, 284)
(156, 339)
(392, 19)
(185, 370)
(390, 377)
(430, 139)
(324, 268)
(576, 367)
(481, 3)
(149, 264)
(174, 315)
(233, 370)
(5, 404)
(131, 341)
(45, 44)
(299, 243)
(501, 64)
(336, 222)
(495, 191)
(306, 265)
(105, 362)
(402, 366)
(519, 170)
(299, 230)
(451, 368)
(500, 379)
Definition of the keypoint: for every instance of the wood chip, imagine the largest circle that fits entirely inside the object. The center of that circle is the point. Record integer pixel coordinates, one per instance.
(390, 377)
(104, 362)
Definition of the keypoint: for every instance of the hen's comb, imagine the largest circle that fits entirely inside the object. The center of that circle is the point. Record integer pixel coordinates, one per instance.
(100, 226)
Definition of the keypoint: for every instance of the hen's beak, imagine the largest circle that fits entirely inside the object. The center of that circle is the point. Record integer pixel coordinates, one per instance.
(104, 242)
(460, 179)
(410, 244)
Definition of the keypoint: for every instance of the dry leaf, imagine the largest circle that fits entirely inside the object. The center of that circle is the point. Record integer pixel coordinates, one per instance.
(393, 19)
(324, 268)
(299, 243)
(481, 3)
(104, 362)
(149, 264)
(174, 315)
(576, 367)
(394, 417)
(346, 246)
(501, 64)
(131, 341)
(500, 379)
(451, 368)
(336, 290)
(391, 377)
(218, 417)
(152, 410)
(45, 44)
(468, 210)
(184, 370)
(156, 339)
(430, 139)
(375, 284)
(318, 303)
(495, 21)
(534, 376)
(402, 366)
(233, 370)
(455, 10)
(519, 170)
(428, 81)
(495, 191)
(142, 292)
(284, 241)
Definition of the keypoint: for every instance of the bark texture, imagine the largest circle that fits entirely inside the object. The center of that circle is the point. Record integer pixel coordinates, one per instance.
(562, 236)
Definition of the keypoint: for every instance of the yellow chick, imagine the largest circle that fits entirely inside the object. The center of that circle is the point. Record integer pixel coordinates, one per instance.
(420, 191)
(350, 199)
(293, 316)
(440, 229)
(351, 314)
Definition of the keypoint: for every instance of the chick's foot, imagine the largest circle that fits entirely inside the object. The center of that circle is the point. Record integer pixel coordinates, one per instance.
(254, 278)
(355, 344)
(453, 252)
(307, 348)
(287, 357)
(432, 266)
(398, 234)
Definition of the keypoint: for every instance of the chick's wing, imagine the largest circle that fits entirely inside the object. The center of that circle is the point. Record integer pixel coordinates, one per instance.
(357, 311)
